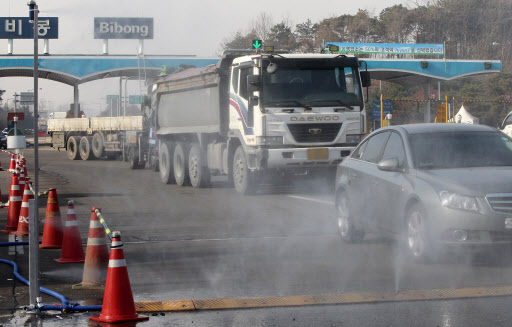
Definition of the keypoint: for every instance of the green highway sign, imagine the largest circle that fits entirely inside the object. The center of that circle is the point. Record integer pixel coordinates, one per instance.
(256, 44)
(112, 98)
(135, 99)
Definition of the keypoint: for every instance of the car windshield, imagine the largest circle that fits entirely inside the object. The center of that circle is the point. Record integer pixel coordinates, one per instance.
(460, 150)
(312, 87)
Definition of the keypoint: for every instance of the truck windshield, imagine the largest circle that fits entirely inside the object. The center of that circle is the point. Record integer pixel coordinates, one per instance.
(302, 85)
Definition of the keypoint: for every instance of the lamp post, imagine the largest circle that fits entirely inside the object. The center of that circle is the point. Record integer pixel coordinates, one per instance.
(34, 217)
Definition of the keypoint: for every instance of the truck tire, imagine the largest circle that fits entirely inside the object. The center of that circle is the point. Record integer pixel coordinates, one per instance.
(98, 145)
(180, 163)
(85, 148)
(197, 167)
(165, 160)
(243, 178)
(153, 160)
(72, 148)
(134, 160)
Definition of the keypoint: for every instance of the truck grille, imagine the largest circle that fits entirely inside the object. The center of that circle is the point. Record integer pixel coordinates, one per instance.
(311, 133)
(501, 203)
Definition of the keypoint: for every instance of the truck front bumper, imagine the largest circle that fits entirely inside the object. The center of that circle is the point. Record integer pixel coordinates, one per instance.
(297, 157)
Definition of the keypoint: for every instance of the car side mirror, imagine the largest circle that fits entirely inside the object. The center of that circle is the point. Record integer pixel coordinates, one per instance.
(392, 165)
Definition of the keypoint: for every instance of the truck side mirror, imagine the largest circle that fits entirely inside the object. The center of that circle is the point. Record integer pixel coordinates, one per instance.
(145, 101)
(253, 101)
(366, 81)
(253, 83)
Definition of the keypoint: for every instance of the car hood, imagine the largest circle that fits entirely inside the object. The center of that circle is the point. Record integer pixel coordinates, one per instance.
(477, 181)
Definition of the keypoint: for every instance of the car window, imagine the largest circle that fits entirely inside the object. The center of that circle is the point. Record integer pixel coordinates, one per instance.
(358, 154)
(394, 149)
(374, 148)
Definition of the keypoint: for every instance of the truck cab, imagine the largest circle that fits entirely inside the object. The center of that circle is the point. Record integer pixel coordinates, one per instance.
(296, 110)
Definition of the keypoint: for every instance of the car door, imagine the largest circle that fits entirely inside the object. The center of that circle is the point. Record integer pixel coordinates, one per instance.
(389, 186)
(362, 175)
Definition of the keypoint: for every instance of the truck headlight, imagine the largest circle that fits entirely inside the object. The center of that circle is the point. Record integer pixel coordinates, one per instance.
(354, 138)
(269, 140)
(456, 201)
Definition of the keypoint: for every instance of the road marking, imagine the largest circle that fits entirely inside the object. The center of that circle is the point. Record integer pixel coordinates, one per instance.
(322, 299)
(310, 199)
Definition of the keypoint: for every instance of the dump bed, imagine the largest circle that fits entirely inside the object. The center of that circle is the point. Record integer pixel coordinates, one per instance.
(127, 123)
(189, 101)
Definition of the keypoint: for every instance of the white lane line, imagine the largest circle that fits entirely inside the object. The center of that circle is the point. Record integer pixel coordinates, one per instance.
(310, 199)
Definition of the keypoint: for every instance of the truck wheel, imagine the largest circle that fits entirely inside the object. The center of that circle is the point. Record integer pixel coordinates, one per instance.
(97, 145)
(85, 148)
(72, 148)
(197, 167)
(243, 178)
(153, 160)
(133, 158)
(180, 164)
(165, 160)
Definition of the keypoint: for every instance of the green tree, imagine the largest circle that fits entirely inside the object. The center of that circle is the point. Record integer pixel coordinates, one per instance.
(282, 37)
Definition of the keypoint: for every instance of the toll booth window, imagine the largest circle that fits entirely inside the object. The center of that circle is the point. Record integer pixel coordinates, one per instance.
(234, 79)
(243, 82)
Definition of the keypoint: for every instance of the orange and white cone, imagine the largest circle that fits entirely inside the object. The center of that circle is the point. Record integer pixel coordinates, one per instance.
(13, 214)
(21, 178)
(23, 221)
(118, 305)
(96, 256)
(72, 249)
(52, 232)
(12, 165)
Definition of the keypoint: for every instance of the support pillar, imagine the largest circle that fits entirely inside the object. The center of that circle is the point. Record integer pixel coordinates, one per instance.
(426, 113)
(76, 101)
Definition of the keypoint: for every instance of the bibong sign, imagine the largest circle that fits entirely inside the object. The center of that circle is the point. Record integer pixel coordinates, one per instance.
(123, 28)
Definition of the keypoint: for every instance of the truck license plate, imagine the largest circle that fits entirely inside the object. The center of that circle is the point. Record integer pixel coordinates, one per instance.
(318, 154)
(508, 222)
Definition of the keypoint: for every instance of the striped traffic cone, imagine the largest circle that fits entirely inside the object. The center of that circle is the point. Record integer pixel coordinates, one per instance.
(23, 221)
(96, 256)
(52, 232)
(72, 249)
(14, 206)
(21, 178)
(118, 305)
(12, 166)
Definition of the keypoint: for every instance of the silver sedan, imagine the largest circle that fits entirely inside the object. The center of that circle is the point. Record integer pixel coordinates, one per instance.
(435, 185)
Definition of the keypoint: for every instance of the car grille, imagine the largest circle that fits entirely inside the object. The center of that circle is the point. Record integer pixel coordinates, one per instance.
(500, 203)
(311, 133)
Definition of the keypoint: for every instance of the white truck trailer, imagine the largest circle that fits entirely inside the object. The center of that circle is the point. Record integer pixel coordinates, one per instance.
(89, 138)
(253, 115)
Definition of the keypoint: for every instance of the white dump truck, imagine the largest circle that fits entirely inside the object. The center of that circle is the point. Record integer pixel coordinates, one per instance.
(254, 115)
(506, 126)
(89, 138)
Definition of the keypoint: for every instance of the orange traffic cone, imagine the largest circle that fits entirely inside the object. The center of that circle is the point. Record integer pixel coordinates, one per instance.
(25, 167)
(52, 233)
(23, 221)
(21, 178)
(72, 249)
(14, 206)
(12, 166)
(96, 256)
(118, 305)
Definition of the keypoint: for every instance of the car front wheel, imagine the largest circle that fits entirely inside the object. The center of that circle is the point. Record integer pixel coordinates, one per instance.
(417, 241)
(346, 229)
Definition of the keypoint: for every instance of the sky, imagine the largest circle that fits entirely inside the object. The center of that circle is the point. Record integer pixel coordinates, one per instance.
(191, 27)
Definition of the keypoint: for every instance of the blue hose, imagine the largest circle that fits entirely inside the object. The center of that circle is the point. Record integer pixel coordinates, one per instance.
(65, 303)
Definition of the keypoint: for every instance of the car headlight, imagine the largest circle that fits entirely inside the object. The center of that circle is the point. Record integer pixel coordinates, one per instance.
(269, 140)
(456, 201)
(354, 138)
